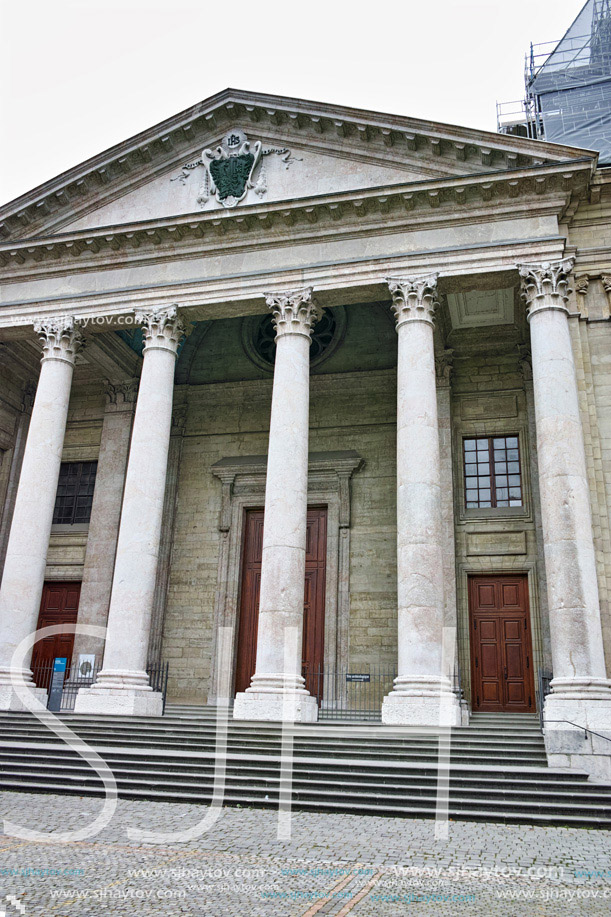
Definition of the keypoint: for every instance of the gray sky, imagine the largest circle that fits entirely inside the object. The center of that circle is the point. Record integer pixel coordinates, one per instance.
(77, 76)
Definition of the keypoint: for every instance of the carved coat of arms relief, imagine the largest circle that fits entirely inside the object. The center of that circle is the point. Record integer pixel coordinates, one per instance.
(233, 169)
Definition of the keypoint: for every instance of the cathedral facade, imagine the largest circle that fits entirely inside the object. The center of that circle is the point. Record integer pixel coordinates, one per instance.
(302, 399)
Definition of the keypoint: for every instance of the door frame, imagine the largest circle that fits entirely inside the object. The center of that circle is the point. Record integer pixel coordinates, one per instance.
(504, 565)
(530, 669)
(260, 509)
(243, 487)
(57, 583)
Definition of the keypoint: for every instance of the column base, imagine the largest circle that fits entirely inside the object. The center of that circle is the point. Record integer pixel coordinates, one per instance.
(420, 702)
(276, 707)
(119, 702)
(120, 693)
(10, 700)
(585, 702)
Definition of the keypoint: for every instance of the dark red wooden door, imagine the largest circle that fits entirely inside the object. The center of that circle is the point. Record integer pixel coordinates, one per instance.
(314, 597)
(501, 653)
(59, 605)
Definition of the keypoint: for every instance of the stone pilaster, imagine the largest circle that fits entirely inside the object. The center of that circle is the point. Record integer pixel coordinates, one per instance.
(582, 282)
(103, 532)
(422, 693)
(278, 679)
(605, 282)
(581, 692)
(26, 554)
(122, 685)
(23, 424)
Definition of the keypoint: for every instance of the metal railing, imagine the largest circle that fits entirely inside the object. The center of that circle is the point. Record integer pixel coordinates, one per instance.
(543, 689)
(356, 692)
(544, 680)
(74, 681)
(457, 683)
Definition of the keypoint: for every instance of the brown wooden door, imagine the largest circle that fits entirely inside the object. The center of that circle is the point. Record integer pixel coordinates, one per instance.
(59, 605)
(501, 651)
(314, 597)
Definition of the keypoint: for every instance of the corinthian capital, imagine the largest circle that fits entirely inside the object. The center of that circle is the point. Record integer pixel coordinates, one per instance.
(120, 395)
(546, 285)
(414, 299)
(162, 329)
(293, 312)
(61, 338)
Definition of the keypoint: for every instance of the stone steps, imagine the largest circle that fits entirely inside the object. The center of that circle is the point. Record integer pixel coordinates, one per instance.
(497, 771)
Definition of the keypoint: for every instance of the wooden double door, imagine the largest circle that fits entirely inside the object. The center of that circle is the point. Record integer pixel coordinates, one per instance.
(59, 605)
(313, 602)
(501, 646)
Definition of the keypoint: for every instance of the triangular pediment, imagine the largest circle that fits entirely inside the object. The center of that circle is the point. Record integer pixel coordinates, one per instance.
(287, 149)
(295, 172)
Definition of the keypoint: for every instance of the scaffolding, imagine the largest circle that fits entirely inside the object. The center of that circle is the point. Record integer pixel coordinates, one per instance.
(568, 87)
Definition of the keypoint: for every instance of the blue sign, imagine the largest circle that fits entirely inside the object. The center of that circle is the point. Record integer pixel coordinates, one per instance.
(56, 688)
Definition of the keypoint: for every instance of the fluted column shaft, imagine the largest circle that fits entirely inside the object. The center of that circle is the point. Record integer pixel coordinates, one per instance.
(122, 684)
(284, 530)
(421, 688)
(575, 625)
(26, 555)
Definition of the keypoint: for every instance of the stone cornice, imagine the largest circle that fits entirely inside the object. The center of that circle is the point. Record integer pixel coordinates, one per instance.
(546, 189)
(110, 173)
(347, 462)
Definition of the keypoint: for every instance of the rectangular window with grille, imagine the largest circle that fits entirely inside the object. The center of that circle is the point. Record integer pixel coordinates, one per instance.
(74, 493)
(493, 476)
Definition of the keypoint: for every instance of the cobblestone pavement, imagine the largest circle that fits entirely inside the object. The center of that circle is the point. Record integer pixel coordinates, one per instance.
(331, 865)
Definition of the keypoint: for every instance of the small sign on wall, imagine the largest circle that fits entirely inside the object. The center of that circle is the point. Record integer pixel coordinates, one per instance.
(358, 676)
(86, 665)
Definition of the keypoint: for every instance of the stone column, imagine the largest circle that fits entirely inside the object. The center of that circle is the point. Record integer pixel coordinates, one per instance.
(166, 545)
(106, 512)
(284, 532)
(581, 692)
(26, 554)
(422, 692)
(122, 686)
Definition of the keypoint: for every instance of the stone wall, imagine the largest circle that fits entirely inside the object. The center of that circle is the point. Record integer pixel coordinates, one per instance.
(348, 411)
(490, 397)
(67, 545)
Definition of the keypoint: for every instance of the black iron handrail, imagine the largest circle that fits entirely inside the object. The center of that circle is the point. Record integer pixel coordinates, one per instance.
(457, 682)
(543, 689)
(585, 729)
